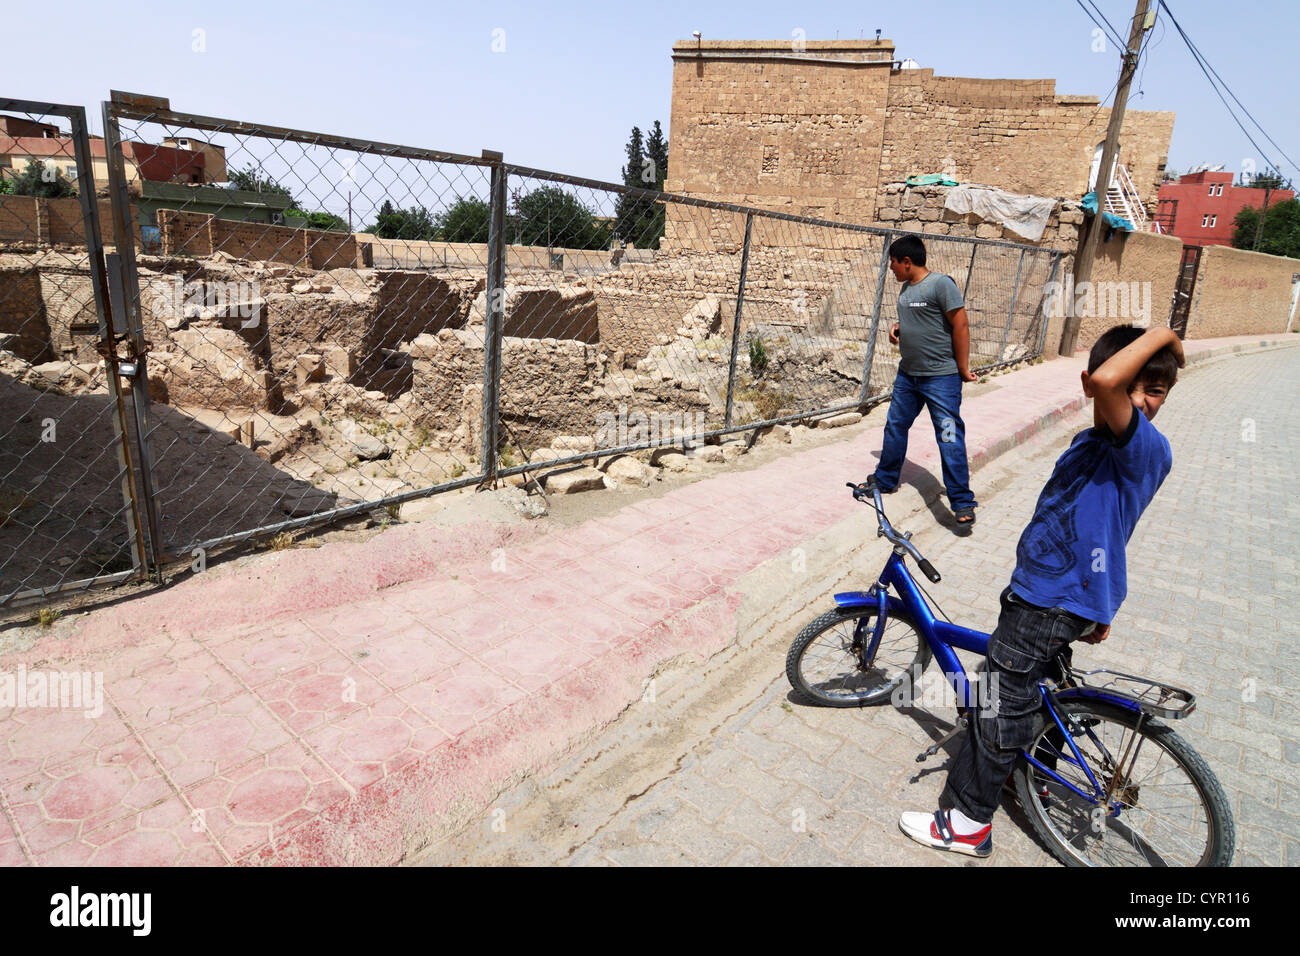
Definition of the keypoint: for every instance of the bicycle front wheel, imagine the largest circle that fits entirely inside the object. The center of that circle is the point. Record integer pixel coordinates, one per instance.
(825, 661)
(1165, 806)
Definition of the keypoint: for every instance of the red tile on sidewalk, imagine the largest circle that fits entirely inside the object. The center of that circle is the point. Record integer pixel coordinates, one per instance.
(260, 801)
(214, 738)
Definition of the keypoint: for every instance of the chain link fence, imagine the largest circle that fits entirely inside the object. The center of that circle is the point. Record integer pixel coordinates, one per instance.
(67, 487)
(313, 327)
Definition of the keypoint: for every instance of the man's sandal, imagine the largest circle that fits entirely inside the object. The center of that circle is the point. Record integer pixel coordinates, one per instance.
(965, 517)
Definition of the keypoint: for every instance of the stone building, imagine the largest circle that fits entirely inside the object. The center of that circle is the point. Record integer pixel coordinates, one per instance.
(820, 130)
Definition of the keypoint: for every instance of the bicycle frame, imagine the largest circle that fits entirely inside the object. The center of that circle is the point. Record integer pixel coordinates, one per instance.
(943, 637)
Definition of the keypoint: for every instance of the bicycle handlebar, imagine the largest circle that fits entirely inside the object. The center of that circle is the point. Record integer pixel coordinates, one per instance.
(887, 531)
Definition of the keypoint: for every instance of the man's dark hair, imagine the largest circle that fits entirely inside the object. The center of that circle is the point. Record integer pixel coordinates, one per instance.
(908, 247)
(1161, 368)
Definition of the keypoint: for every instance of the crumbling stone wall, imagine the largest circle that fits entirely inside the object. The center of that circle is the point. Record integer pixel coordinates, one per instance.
(1018, 135)
(199, 234)
(548, 386)
(213, 367)
(70, 311)
(30, 221)
(815, 132)
(24, 328)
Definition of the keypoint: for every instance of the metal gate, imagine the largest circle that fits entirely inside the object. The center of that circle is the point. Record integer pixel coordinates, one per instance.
(69, 494)
(1183, 289)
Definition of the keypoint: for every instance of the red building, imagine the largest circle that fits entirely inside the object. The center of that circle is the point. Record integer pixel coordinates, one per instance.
(1200, 208)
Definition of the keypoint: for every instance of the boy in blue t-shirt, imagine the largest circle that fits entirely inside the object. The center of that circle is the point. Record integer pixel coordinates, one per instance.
(1070, 571)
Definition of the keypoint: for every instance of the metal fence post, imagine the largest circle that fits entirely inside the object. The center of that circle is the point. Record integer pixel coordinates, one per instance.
(875, 318)
(135, 366)
(1015, 293)
(495, 315)
(970, 271)
(1051, 281)
(735, 326)
(107, 346)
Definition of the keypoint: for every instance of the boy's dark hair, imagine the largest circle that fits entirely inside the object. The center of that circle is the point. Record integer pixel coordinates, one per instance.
(1161, 368)
(908, 247)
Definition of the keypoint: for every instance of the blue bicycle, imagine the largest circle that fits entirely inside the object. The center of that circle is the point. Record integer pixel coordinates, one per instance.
(1104, 782)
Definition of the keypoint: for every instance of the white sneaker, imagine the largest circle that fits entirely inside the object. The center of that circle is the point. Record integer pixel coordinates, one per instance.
(935, 829)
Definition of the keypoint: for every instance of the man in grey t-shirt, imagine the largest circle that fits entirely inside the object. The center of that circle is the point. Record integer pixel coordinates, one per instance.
(934, 338)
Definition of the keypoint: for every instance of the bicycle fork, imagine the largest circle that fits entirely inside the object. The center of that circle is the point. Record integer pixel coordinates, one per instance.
(867, 647)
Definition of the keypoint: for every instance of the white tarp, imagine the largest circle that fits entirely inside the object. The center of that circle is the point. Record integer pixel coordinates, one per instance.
(1026, 216)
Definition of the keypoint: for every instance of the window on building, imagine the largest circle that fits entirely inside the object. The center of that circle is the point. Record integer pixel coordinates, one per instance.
(1205, 220)
(1211, 189)
(1213, 221)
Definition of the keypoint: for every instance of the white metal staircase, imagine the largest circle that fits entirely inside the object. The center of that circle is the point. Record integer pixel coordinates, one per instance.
(1122, 199)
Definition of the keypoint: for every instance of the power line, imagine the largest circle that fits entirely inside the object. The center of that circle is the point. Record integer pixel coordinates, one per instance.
(1152, 43)
(1108, 30)
(1143, 44)
(1208, 70)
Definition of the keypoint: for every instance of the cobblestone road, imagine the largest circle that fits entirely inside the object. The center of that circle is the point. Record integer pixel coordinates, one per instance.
(746, 775)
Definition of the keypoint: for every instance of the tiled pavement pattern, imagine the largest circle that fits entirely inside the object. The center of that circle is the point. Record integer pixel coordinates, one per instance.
(350, 703)
(1212, 606)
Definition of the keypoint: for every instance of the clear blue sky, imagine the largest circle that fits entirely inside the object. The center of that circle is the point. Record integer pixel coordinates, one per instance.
(575, 77)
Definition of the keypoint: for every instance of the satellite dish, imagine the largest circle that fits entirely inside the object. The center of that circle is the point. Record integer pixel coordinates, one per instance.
(909, 64)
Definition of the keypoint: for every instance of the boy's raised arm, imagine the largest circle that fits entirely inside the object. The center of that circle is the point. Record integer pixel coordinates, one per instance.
(1114, 377)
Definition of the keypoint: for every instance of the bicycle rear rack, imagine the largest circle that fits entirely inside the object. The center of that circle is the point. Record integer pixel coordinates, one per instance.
(1153, 697)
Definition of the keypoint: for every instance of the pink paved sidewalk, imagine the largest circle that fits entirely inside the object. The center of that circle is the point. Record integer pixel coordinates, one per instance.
(342, 705)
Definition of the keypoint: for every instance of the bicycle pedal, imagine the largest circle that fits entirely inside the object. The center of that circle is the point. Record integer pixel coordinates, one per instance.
(933, 749)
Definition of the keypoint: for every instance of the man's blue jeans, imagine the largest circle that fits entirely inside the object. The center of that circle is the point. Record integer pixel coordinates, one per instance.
(942, 393)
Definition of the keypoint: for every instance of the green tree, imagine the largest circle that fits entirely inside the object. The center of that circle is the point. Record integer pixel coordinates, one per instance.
(549, 216)
(1271, 179)
(465, 220)
(414, 223)
(44, 182)
(638, 219)
(319, 220)
(656, 148)
(656, 151)
(252, 180)
(1280, 235)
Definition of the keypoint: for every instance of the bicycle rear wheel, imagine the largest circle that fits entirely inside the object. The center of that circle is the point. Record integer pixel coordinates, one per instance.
(825, 661)
(1166, 806)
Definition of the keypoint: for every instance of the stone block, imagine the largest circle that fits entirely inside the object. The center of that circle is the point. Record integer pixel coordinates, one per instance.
(340, 362)
(310, 368)
(838, 421)
(575, 481)
(670, 460)
(625, 469)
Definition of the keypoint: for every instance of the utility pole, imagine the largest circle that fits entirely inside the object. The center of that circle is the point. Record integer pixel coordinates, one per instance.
(1093, 229)
(1259, 226)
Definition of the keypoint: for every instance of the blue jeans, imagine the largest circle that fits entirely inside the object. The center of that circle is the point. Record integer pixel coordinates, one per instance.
(942, 393)
(1022, 650)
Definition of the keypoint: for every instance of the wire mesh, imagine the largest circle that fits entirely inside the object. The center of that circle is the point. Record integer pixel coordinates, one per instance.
(1002, 286)
(66, 518)
(318, 329)
(309, 308)
(612, 337)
